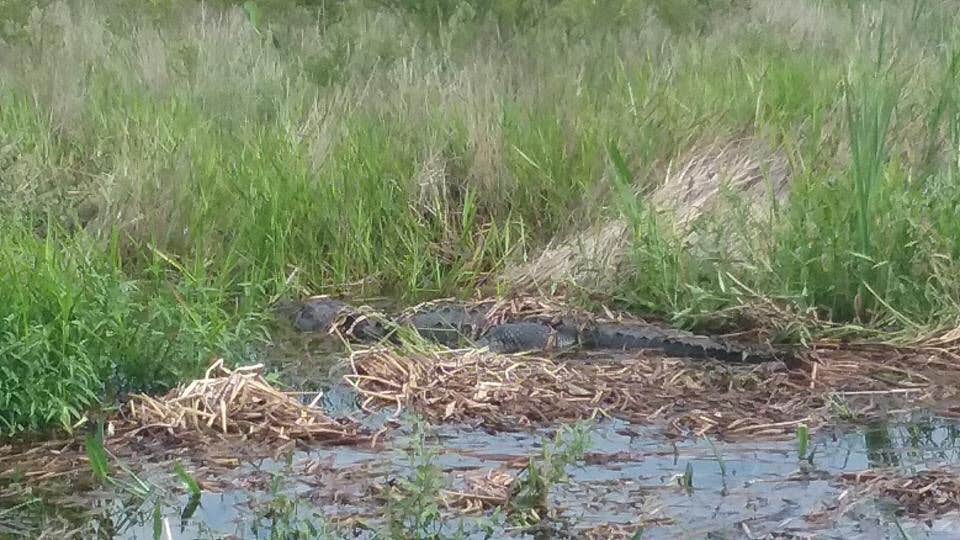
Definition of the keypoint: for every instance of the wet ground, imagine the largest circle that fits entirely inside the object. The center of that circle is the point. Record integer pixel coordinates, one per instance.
(630, 480)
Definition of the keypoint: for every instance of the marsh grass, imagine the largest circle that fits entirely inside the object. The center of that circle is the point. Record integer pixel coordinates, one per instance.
(529, 493)
(165, 173)
(283, 515)
(77, 331)
(413, 505)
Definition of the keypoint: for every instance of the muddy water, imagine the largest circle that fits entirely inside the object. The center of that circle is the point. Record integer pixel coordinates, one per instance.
(628, 478)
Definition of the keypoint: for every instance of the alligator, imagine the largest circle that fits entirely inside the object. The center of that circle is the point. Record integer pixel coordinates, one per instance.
(467, 325)
(322, 314)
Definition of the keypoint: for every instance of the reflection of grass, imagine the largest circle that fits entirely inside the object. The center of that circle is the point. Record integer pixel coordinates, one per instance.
(718, 457)
(900, 530)
(881, 449)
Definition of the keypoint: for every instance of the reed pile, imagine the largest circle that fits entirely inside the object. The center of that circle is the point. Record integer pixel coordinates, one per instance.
(690, 397)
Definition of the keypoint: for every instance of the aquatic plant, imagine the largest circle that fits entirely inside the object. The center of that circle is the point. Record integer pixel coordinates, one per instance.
(99, 463)
(527, 504)
(413, 509)
(718, 456)
(803, 441)
(282, 516)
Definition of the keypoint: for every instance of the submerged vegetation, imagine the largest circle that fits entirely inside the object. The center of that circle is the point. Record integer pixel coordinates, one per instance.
(168, 170)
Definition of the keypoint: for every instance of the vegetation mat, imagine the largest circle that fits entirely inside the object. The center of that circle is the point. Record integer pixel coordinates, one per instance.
(826, 383)
(225, 414)
(922, 494)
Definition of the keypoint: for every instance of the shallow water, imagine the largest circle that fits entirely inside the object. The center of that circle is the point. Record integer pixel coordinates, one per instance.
(628, 478)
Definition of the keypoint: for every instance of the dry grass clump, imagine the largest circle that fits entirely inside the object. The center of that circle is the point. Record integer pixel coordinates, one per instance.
(236, 402)
(482, 491)
(745, 169)
(220, 419)
(700, 398)
(527, 307)
(925, 494)
(509, 391)
(587, 258)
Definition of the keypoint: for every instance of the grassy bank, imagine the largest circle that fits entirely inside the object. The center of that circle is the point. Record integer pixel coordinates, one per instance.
(166, 168)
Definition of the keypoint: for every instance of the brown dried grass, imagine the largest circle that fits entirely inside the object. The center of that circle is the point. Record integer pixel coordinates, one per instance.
(219, 419)
(236, 402)
(744, 168)
(924, 494)
(482, 491)
(698, 398)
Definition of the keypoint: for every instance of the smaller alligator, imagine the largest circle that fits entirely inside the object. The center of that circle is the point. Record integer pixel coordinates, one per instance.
(455, 325)
(322, 314)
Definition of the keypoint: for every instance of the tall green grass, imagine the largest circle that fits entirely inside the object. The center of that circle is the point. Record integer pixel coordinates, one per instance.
(77, 332)
(165, 172)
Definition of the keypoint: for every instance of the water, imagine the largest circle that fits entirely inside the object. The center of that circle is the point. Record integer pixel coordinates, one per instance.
(628, 478)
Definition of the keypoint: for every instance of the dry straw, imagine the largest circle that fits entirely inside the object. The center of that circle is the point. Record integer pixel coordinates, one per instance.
(925, 494)
(731, 401)
(237, 402)
(221, 418)
(698, 184)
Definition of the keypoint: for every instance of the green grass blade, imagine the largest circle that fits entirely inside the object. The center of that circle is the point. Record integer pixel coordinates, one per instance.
(189, 482)
(97, 457)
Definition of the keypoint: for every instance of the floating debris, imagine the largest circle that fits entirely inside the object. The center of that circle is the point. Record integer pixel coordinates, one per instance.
(237, 402)
(227, 415)
(698, 398)
(925, 494)
(483, 490)
(510, 391)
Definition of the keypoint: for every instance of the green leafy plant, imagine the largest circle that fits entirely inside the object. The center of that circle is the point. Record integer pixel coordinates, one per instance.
(528, 493)
(685, 480)
(99, 460)
(189, 482)
(718, 457)
(97, 457)
(412, 501)
(282, 517)
(805, 453)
